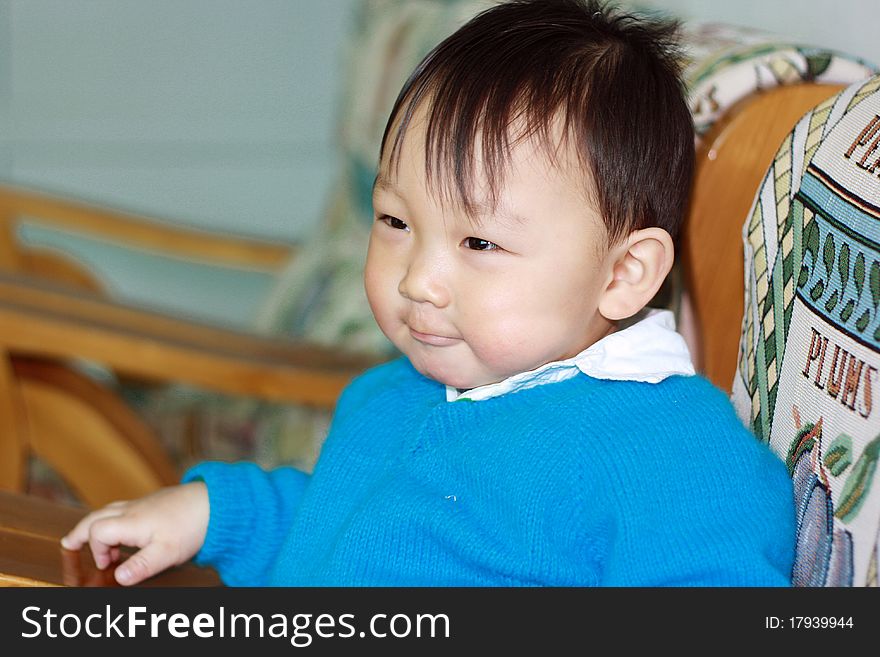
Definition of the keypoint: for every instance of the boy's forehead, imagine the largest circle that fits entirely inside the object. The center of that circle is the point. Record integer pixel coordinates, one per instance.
(549, 153)
(553, 136)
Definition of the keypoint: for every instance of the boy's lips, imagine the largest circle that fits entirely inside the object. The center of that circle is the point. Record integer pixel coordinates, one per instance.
(432, 339)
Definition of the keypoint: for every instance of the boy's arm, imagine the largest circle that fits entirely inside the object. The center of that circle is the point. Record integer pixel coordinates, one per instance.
(252, 509)
(250, 514)
(233, 516)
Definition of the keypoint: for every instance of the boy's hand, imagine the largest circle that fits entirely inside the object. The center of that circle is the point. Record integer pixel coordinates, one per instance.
(168, 526)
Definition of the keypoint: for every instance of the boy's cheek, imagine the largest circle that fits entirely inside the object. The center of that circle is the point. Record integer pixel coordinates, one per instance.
(383, 304)
(378, 305)
(502, 346)
(376, 278)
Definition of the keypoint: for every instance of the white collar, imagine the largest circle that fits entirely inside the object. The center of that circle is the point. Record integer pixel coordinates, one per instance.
(649, 350)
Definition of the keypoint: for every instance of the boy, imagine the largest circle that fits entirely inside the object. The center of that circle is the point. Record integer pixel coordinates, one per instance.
(538, 430)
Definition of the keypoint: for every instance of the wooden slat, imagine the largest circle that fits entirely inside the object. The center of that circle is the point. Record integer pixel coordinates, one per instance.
(46, 322)
(12, 428)
(29, 561)
(99, 462)
(10, 252)
(42, 296)
(37, 517)
(143, 232)
(59, 268)
(90, 423)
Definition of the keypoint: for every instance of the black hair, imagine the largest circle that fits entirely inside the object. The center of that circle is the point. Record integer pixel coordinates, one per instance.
(612, 79)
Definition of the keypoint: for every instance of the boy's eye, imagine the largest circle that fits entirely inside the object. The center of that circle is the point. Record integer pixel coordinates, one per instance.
(393, 222)
(478, 244)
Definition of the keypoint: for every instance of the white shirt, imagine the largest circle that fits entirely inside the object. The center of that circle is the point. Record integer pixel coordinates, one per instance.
(649, 349)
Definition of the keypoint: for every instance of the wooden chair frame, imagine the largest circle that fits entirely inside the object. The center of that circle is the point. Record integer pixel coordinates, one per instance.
(19, 205)
(52, 315)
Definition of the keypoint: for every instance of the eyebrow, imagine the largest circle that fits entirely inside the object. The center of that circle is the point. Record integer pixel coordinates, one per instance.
(383, 182)
(483, 209)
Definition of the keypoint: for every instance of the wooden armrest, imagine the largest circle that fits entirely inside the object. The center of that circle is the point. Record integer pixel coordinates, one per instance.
(31, 553)
(42, 320)
(142, 232)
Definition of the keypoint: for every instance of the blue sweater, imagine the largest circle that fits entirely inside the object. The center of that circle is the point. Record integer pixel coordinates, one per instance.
(577, 483)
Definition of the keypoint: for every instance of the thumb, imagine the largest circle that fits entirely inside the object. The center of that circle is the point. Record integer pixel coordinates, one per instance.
(146, 562)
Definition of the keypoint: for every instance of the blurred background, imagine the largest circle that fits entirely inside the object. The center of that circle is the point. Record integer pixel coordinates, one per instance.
(215, 113)
(222, 114)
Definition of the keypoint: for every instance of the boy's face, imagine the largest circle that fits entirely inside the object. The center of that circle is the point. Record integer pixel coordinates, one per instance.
(472, 304)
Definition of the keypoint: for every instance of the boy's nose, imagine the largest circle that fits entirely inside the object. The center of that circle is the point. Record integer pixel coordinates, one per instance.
(424, 282)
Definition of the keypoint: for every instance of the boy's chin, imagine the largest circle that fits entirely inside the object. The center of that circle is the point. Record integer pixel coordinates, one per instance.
(450, 376)
(443, 377)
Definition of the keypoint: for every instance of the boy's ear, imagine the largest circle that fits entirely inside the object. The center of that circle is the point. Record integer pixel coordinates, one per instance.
(639, 266)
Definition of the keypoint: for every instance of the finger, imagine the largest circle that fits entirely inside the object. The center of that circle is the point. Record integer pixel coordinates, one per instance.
(79, 535)
(145, 563)
(107, 534)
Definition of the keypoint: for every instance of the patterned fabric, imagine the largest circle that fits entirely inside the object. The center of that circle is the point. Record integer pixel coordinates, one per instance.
(810, 345)
(726, 63)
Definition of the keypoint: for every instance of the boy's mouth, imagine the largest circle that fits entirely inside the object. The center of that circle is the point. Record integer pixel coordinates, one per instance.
(432, 339)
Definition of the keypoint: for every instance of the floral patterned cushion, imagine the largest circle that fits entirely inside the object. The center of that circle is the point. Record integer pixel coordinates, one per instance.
(726, 64)
(810, 347)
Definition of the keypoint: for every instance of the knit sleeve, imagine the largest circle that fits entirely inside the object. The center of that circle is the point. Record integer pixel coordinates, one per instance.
(251, 511)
